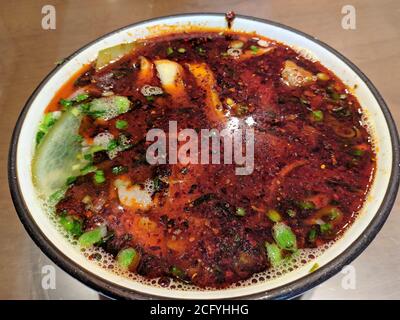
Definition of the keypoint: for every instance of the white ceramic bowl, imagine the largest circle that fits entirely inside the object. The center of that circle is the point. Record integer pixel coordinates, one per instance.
(358, 236)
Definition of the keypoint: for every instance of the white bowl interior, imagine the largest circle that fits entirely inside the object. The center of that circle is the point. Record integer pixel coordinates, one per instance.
(377, 123)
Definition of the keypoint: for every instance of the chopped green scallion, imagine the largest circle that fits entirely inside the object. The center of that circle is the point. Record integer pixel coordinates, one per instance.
(121, 124)
(71, 224)
(322, 76)
(200, 50)
(274, 215)
(92, 237)
(291, 213)
(81, 97)
(119, 169)
(66, 103)
(150, 98)
(325, 228)
(274, 253)
(284, 236)
(314, 267)
(99, 176)
(240, 212)
(57, 196)
(177, 272)
(254, 49)
(357, 152)
(88, 169)
(317, 115)
(112, 145)
(39, 136)
(306, 205)
(335, 96)
(71, 180)
(88, 157)
(312, 235)
(128, 258)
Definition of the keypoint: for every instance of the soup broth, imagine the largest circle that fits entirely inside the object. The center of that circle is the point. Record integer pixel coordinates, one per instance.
(202, 223)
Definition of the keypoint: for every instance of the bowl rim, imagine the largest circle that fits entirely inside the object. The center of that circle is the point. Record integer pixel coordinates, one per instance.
(286, 291)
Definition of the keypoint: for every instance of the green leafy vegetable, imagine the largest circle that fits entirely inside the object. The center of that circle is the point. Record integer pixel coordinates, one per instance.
(48, 121)
(71, 180)
(112, 54)
(39, 136)
(57, 196)
(68, 103)
(88, 157)
(78, 138)
(56, 157)
(107, 108)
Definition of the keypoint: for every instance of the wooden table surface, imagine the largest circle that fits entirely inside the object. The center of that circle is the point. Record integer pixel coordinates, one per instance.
(28, 53)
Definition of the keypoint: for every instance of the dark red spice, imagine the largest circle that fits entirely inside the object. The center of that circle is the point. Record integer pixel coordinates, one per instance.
(303, 155)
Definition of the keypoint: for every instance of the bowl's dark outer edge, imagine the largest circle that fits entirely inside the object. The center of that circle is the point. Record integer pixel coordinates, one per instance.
(286, 291)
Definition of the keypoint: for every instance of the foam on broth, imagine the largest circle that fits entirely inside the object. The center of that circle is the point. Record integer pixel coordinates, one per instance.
(98, 256)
